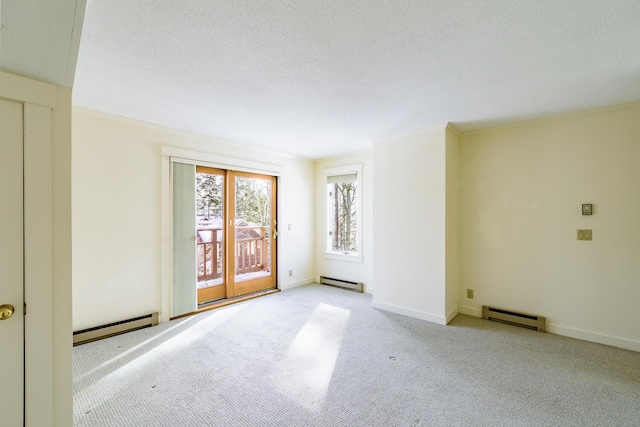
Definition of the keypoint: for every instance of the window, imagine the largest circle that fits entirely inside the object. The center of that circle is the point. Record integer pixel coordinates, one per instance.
(344, 213)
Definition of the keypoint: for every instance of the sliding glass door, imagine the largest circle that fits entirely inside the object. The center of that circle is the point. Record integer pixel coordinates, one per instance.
(235, 233)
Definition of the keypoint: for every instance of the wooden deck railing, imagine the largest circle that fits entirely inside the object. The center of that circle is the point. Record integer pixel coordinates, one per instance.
(251, 251)
(209, 254)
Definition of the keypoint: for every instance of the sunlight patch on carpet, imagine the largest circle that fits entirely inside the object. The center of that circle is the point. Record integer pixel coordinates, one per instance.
(133, 349)
(129, 373)
(305, 373)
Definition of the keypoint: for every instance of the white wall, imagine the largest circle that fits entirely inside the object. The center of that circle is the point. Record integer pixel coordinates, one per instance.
(117, 189)
(340, 269)
(409, 216)
(521, 193)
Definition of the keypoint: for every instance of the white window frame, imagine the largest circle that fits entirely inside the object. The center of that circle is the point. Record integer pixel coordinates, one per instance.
(327, 252)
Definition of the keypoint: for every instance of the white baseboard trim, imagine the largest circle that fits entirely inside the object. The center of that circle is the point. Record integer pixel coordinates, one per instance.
(572, 332)
(470, 311)
(451, 315)
(433, 318)
(593, 337)
(291, 285)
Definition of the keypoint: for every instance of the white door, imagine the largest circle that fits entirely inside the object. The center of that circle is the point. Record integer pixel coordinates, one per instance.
(11, 265)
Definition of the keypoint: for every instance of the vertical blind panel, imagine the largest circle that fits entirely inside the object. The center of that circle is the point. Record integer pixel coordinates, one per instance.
(185, 298)
(332, 179)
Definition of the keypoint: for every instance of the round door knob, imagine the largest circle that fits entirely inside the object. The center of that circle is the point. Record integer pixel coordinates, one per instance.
(6, 311)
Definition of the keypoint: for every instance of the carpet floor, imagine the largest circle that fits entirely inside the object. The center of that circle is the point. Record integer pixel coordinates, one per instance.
(321, 356)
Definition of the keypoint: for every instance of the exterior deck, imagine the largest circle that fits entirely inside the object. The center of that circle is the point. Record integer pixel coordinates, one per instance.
(239, 278)
(252, 251)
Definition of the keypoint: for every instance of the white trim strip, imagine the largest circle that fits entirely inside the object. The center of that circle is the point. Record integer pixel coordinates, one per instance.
(295, 284)
(22, 89)
(452, 315)
(593, 337)
(433, 318)
(179, 155)
(572, 332)
(470, 311)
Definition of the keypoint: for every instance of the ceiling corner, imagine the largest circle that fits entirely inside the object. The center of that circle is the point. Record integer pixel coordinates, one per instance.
(40, 39)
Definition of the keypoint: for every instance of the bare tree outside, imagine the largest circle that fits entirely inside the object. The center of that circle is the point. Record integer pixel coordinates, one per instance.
(344, 224)
(253, 198)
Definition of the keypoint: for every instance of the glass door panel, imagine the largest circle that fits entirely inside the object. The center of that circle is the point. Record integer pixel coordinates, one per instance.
(210, 240)
(253, 230)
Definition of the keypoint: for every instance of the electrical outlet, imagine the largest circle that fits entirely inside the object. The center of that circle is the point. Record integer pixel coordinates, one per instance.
(584, 234)
(470, 293)
(290, 273)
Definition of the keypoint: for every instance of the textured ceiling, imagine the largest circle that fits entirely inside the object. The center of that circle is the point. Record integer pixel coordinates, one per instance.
(319, 78)
(40, 39)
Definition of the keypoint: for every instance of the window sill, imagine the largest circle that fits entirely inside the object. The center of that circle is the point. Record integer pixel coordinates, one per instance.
(343, 257)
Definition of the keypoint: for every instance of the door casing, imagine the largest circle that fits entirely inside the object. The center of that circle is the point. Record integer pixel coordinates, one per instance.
(48, 398)
(12, 261)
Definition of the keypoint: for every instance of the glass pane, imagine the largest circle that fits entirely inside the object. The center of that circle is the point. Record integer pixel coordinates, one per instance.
(343, 218)
(209, 230)
(253, 228)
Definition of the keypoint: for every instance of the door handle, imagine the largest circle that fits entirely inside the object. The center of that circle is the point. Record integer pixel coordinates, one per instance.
(275, 234)
(6, 311)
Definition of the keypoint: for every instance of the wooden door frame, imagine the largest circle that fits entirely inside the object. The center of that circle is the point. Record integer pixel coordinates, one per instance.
(210, 294)
(244, 287)
(231, 287)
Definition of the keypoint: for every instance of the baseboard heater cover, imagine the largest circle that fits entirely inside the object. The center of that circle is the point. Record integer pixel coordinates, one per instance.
(529, 321)
(354, 286)
(115, 328)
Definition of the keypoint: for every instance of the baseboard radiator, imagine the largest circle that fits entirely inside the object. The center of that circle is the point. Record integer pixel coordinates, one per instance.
(115, 328)
(354, 286)
(512, 318)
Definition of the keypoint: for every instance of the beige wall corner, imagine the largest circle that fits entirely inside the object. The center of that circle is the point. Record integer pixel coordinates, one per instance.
(522, 188)
(452, 250)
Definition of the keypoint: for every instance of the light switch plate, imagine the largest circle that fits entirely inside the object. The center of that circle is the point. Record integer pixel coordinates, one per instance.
(584, 234)
(587, 209)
